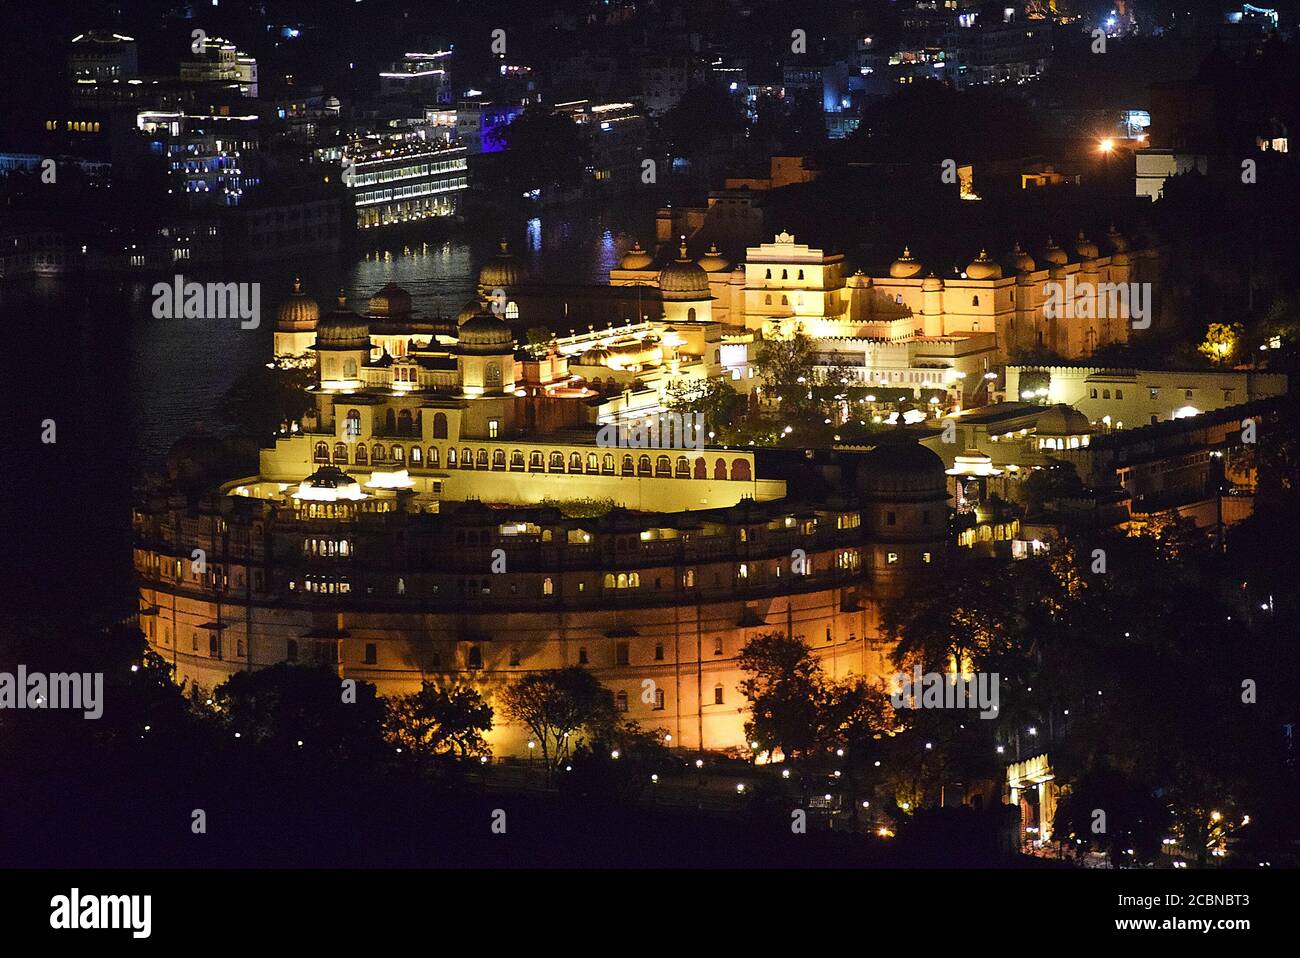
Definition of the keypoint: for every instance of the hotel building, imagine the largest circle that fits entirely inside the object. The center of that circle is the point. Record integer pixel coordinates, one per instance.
(395, 183)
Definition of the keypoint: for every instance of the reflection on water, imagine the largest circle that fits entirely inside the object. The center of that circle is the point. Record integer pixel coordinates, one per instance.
(175, 371)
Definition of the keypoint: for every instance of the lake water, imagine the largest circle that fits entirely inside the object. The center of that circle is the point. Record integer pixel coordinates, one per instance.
(121, 385)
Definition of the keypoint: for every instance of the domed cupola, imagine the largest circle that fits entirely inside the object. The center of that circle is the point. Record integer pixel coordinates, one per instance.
(391, 303)
(906, 266)
(471, 309)
(983, 267)
(713, 261)
(503, 271)
(485, 334)
(636, 257)
(1085, 248)
(298, 313)
(342, 329)
(1062, 421)
(328, 484)
(1053, 255)
(1020, 261)
(901, 469)
(683, 280)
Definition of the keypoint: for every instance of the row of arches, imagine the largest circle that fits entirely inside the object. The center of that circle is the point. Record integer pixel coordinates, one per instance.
(663, 467)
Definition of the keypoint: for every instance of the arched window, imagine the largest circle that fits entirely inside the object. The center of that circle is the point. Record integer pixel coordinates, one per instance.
(340, 452)
(769, 275)
(628, 467)
(390, 422)
(767, 300)
(974, 300)
(785, 274)
(556, 462)
(606, 463)
(720, 469)
(643, 465)
(512, 310)
(322, 452)
(417, 455)
(634, 580)
(683, 468)
(609, 580)
(516, 459)
(352, 428)
(377, 453)
(361, 454)
(399, 455)
(701, 469)
(404, 423)
(433, 457)
(480, 459)
(575, 462)
(663, 466)
(740, 470)
(534, 461)
(439, 425)
(498, 458)
(690, 314)
(622, 580)
(801, 274)
(785, 300)
(548, 586)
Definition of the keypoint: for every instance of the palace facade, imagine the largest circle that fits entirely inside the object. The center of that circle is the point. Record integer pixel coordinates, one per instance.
(444, 512)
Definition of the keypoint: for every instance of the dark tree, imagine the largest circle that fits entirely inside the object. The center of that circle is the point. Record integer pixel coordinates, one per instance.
(559, 707)
(440, 721)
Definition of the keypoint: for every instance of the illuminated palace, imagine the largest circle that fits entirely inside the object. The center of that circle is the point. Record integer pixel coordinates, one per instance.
(444, 512)
(909, 329)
